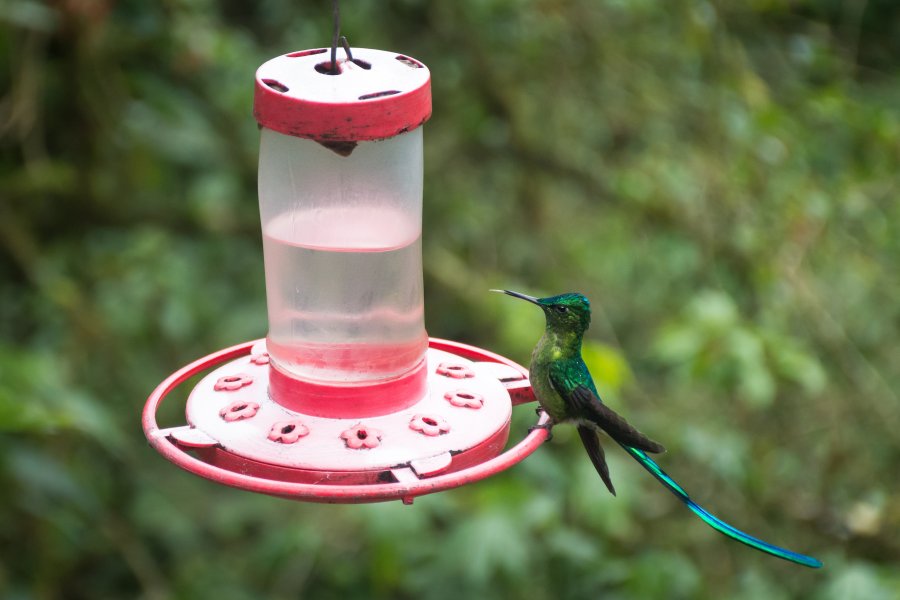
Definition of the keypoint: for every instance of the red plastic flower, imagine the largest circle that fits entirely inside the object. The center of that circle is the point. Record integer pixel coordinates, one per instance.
(465, 399)
(360, 437)
(230, 383)
(431, 425)
(455, 371)
(260, 359)
(288, 432)
(239, 410)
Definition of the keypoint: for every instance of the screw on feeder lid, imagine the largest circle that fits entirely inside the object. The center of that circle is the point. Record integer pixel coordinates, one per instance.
(374, 96)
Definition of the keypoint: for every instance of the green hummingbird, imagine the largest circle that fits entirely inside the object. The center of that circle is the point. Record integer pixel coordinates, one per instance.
(565, 390)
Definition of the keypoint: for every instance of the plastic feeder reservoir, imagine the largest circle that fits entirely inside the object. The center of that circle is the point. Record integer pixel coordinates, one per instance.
(347, 399)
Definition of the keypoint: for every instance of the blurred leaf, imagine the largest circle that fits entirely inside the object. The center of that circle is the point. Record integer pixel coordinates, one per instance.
(35, 398)
(711, 343)
(30, 15)
(859, 581)
(487, 544)
(607, 365)
(727, 453)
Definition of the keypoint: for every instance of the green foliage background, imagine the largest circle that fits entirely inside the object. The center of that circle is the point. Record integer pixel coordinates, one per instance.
(719, 177)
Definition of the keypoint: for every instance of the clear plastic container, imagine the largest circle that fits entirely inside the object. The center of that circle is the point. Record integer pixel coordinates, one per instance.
(342, 237)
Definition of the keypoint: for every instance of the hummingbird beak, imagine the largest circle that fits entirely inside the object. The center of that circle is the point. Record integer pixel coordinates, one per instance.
(531, 299)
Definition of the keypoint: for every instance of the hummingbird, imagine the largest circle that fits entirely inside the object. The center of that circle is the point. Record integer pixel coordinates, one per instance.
(566, 392)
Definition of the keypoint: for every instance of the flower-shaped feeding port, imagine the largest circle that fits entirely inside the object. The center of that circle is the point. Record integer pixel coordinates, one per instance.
(430, 425)
(231, 383)
(464, 399)
(361, 437)
(260, 359)
(455, 371)
(239, 410)
(288, 432)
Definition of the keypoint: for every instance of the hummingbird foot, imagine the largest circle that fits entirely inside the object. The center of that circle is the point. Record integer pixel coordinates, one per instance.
(548, 427)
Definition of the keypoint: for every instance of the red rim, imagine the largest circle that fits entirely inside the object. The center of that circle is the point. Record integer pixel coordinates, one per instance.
(378, 492)
(388, 95)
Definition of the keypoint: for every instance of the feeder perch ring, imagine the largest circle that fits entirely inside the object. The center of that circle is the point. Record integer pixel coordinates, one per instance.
(405, 482)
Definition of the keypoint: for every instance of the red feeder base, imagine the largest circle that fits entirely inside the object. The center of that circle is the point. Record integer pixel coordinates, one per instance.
(451, 435)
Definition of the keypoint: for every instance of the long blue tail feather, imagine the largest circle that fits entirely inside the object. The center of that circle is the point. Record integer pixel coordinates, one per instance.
(713, 521)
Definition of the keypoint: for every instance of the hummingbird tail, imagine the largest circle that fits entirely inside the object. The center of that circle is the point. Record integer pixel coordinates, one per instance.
(713, 521)
(591, 442)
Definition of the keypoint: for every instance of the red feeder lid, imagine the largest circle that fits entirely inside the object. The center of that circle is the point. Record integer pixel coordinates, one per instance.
(375, 96)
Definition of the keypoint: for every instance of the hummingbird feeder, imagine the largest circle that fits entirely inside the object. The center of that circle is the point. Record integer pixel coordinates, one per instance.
(346, 400)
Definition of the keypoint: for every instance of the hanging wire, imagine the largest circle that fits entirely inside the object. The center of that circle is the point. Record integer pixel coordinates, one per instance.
(336, 14)
(337, 38)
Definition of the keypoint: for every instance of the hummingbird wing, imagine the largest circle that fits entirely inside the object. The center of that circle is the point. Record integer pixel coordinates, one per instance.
(572, 380)
(589, 405)
(712, 520)
(591, 442)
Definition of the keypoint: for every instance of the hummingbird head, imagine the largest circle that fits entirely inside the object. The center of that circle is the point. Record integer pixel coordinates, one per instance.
(565, 312)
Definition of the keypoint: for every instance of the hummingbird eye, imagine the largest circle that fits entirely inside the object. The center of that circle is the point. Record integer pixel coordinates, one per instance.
(562, 309)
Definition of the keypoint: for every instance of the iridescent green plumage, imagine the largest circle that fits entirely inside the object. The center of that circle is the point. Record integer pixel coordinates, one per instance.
(565, 389)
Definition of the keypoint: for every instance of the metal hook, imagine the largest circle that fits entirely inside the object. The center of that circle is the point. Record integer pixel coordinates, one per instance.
(346, 46)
